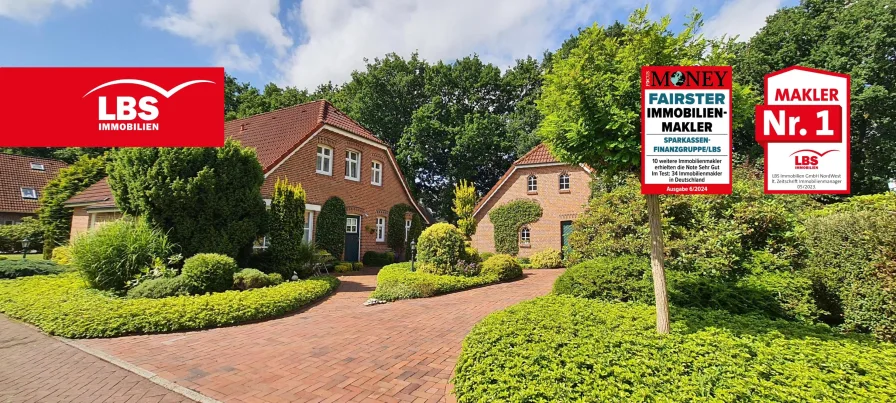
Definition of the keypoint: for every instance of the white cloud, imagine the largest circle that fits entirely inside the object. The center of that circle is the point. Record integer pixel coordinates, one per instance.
(740, 17)
(338, 34)
(35, 10)
(232, 58)
(217, 22)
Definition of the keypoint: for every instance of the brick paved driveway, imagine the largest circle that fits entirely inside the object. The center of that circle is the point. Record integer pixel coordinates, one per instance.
(337, 350)
(35, 367)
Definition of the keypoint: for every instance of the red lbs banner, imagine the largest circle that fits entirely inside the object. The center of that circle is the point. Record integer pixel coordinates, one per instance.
(112, 107)
(804, 129)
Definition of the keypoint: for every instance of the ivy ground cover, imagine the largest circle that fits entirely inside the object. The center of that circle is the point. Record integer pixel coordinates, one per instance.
(63, 305)
(397, 281)
(559, 349)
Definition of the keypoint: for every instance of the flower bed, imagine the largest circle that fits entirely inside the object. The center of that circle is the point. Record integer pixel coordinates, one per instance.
(397, 281)
(63, 305)
(560, 348)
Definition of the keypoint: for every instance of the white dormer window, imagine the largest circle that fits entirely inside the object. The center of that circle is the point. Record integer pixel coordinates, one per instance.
(352, 162)
(324, 160)
(376, 173)
(29, 193)
(38, 166)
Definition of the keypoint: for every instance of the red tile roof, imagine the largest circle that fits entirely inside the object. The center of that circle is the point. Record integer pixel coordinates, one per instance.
(98, 195)
(538, 155)
(16, 173)
(274, 134)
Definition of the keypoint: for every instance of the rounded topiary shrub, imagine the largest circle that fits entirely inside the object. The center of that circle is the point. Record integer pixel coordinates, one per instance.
(111, 255)
(439, 248)
(546, 259)
(623, 278)
(504, 267)
(209, 272)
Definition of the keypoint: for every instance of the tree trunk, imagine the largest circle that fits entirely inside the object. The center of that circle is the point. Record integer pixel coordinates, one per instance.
(656, 264)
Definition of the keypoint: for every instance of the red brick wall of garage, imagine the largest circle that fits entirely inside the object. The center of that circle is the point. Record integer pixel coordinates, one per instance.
(556, 206)
(361, 198)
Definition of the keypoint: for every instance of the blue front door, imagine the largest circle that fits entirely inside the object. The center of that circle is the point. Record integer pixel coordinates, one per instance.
(565, 230)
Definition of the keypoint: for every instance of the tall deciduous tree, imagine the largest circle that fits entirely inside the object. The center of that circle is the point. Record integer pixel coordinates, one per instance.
(591, 104)
(464, 203)
(206, 199)
(56, 219)
(852, 37)
(287, 226)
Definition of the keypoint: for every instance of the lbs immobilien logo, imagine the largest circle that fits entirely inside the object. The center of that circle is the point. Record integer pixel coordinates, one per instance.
(112, 107)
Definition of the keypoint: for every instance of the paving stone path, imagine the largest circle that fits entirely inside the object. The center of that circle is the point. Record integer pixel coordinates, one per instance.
(336, 350)
(35, 367)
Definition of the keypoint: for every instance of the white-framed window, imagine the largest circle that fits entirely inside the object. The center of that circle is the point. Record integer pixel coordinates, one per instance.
(532, 183)
(324, 160)
(407, 229)
(9, 222)
(380, 229)
(564, 181)
(261, 243)
(37, 166)
(309, 227)
(525, 236)
(351, 225)
(376, 173)
(352, 162)
(29, 193)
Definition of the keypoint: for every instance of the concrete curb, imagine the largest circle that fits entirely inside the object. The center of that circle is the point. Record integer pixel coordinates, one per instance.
(152, 377)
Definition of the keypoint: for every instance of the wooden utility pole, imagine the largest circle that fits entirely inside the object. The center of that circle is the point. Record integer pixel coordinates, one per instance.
(656, 264)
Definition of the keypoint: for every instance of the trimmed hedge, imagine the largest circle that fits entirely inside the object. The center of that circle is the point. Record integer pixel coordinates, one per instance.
(504, 267)
(209, 272)
(560, 348)
(63, 305)
(377, 259)
(546, 259)
(62, 255)
(15, 268)
(782, 295)
(397, 281)
(439, 248)
(253, 278)
(161, 288)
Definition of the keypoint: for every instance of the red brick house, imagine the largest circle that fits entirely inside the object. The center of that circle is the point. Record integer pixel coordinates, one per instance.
(22, 179)
(318, 146)
(561, 189)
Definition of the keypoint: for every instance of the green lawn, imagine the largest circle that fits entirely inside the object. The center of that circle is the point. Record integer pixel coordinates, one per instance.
(18, 256)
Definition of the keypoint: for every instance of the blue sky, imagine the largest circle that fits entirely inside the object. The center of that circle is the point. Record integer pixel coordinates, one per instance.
(306, 42)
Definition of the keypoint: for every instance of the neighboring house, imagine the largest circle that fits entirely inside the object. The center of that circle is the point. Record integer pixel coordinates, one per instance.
(318, 146)
(562, 190)
(22, 178)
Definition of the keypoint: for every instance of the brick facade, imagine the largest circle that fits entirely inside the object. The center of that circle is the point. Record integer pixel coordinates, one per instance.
(557, 205)
(361, 197)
